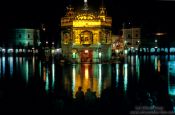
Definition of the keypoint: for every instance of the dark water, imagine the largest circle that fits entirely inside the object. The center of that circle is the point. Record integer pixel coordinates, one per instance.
(141, 84)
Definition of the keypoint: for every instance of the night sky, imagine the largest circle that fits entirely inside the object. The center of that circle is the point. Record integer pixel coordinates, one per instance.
(151, 16)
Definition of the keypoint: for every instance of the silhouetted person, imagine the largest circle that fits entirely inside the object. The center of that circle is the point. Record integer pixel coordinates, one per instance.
(79, 99)
(90, 99)
(79, 94)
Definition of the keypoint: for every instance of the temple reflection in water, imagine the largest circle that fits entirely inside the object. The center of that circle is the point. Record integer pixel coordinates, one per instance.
(123, 80)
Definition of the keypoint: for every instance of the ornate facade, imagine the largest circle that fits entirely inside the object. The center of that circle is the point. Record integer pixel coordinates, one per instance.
(86, 35)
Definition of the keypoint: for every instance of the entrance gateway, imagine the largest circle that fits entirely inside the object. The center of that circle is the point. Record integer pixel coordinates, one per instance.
(86, 56)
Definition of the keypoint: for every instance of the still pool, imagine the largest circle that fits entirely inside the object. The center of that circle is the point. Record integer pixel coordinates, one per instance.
(140, 84)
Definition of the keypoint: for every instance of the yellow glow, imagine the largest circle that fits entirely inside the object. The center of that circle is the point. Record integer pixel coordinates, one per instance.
(158, 66)
(86, 23)
(160, 34)
(77, 37)
(44, 73)
(86, 72)
(85, 17)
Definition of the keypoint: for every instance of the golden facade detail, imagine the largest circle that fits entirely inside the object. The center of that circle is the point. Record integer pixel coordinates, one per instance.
(84, 30)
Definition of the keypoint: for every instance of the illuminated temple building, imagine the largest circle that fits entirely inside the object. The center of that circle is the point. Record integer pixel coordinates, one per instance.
(86, 35)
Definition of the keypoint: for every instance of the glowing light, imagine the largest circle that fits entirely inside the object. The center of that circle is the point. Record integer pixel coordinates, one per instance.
(44, 73)
(99, 79)
(116, 51)
(99, 54)
(86, 51)
(160, 34)
(171, 77)
(11, 65)
(58, 50)
(27, 71)
(125, 51)
(117, 75)
(73, 80)
(132, 65)
(16, 50)
(3, 66)
(156, 41)
(33, 63)
(20, 50)
(158, 66)
(3, 50)
(53, 51)
(53, 75)
(155, 63)
(24, 50)
(125, 76)
(10, 51)
(73, 55)
(83, 23)
(47, 80)
(137, 67)
(86, 71)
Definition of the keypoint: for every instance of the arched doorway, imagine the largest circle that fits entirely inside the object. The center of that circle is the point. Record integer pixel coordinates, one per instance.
(86, 56)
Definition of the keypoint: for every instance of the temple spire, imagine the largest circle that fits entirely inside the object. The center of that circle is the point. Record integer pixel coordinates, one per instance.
(102, 9)
(85, 5)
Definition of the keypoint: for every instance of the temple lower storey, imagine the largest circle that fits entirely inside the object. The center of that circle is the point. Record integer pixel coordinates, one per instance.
(87, 54)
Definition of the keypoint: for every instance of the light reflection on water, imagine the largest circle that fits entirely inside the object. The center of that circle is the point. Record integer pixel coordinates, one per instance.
(10, 60)
(171, 77)
(89, 76)
(125, 76)
(97, 77)
(3, 66)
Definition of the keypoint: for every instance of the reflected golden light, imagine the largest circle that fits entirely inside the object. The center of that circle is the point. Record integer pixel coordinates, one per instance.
(155, 63)
(158, 66)
(33, 63)
(44, 73)
(86, 71)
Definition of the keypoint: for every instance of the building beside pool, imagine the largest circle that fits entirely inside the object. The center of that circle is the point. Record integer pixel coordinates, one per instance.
(86, 35)
(20, 40)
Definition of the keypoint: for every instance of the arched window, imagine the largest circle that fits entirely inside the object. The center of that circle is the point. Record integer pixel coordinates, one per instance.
(86, 37)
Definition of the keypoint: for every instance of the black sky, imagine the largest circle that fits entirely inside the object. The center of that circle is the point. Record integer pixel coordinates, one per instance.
(153, 16)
